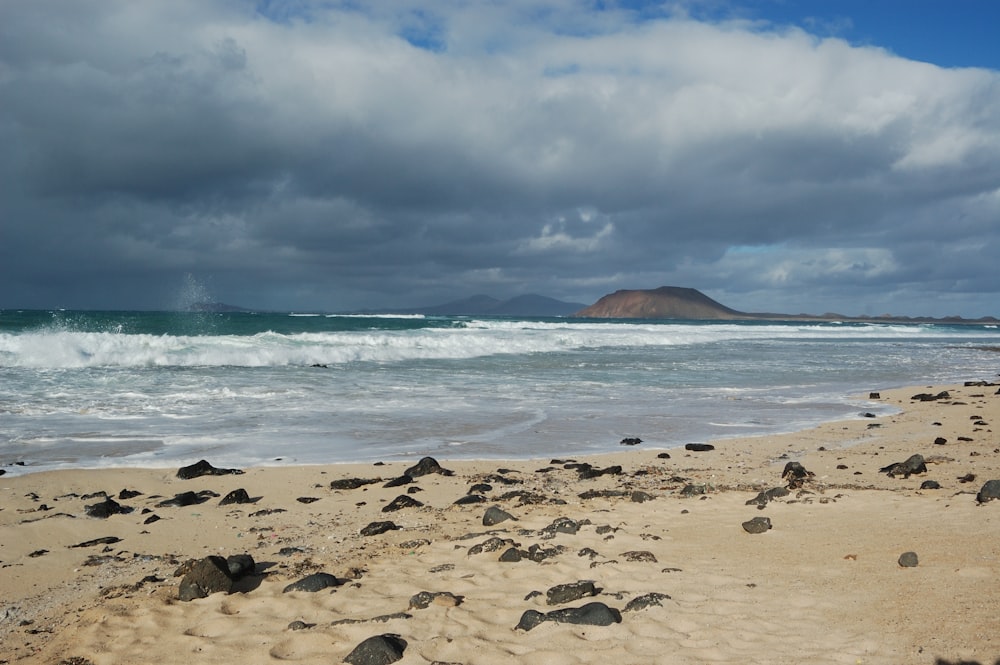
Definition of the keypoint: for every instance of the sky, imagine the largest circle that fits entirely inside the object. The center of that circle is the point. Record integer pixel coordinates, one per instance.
(778, 155)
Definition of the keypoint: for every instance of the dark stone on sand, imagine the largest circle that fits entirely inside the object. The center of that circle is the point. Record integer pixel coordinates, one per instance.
(603, 494)
(757, 525)
(586, 472)
(106, 540)
(492, 544)
(400, 502)
(591, 614)
(699, 447)
(151, 519)
(313, 583)
(470, 499)
(989, 491)
(125, 494)
(567, 593)
(480, 488)
(874, 396)
(940, 441)
(183, 499)
(693, 490)
(795, 470)
(209, 575)
(351, 483)
(930, 485)
(766, 496)
(908, 560)
(427, 466)
(646, 600)
(495, 515)
(378, 528)
(562, 525)
(927, 397)
(639, 496)
(236, 496)
(105, 509)
(203, 468)
(537, 553)
(307, 499)
(240, 565)
(530, 498)
(399, 482)
(663, 456)
(511, 555)
(300, 625)
(913, 464)
(377, 650)
(641, 556)
(425, 599)
(630, 441)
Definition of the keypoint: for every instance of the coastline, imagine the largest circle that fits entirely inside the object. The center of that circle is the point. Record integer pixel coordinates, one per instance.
(822, 585)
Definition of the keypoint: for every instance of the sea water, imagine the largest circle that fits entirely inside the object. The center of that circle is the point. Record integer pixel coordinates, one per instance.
(161, 389)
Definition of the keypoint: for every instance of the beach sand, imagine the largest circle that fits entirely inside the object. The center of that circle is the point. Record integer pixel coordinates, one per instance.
(823, 585)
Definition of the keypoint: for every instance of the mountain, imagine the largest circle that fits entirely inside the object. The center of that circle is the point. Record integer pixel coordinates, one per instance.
(666, 302)
(483, 305)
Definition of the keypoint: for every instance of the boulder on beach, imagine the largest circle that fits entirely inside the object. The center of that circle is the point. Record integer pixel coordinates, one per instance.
(426, 466)
(207, 576)
(377, 650)
(989, 491)
(591, 614)
(913, 464)
(203, 468)
(313, 583)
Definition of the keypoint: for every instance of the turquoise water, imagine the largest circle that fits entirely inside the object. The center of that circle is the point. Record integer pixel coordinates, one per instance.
(162, 388)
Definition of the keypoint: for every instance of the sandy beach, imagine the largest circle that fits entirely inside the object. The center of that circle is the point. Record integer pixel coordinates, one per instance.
(657, 559)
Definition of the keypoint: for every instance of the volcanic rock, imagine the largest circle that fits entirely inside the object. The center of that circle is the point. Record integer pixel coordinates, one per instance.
(400, 502)
(591, 614)
(378, 528)
(377, 650)
(236, 496)
(699, 447)
(352, 483)
(313, 583)
(989, 491)
(203, 468)
(757, 525)
(645, 600)
(105, 509)
(495, 515)
(914, 464)
(426, 466)
(908, 559)
(567, 593)
(207, 576)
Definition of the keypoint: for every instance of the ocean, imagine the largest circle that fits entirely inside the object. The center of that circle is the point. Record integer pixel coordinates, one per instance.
(162, 389)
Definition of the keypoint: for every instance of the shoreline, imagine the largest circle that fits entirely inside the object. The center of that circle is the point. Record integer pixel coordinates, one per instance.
(823, 584)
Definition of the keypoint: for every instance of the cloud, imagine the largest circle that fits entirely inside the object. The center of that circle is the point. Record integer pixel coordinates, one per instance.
(340, 155)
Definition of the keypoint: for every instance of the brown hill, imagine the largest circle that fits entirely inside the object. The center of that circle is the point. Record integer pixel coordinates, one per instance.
(666, 302)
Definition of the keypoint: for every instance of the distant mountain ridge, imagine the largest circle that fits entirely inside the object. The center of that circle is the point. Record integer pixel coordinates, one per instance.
(674, 302)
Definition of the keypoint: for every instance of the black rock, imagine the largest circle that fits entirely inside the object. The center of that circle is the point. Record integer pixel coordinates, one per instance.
(378, 528)
(426, 466)
(591, 614)
(495, 515)
(106, 540)
(586, 471)
(930, 485)
(940, 441)
(151, 519)
(184, 499)
(908, 559)
(927, 397)
(398, 482)
(105, 509)
(562, 525)
(480, 488)
(208, 576)
(492, 544)
(795, 470)
(989, 491)
(766, 496)
(512, 555)
(352, 483)
(638, 496)
(377, 650)
(699, 447)
(313, 583)
(470, 499)
(400, 502)
(128, 494)
(914, 464)
(663, 456)
(236, 496)
(240, 565)
(645, 600)
(424, 599)
(757, 525)
(630, 441)
(693, 490)
(203, 468)
(639, 556)
(567, 593)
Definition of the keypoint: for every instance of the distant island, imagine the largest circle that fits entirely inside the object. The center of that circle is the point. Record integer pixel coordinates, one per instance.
(674, 302)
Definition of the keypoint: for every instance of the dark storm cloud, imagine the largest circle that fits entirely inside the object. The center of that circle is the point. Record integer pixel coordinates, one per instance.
(304, 156)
